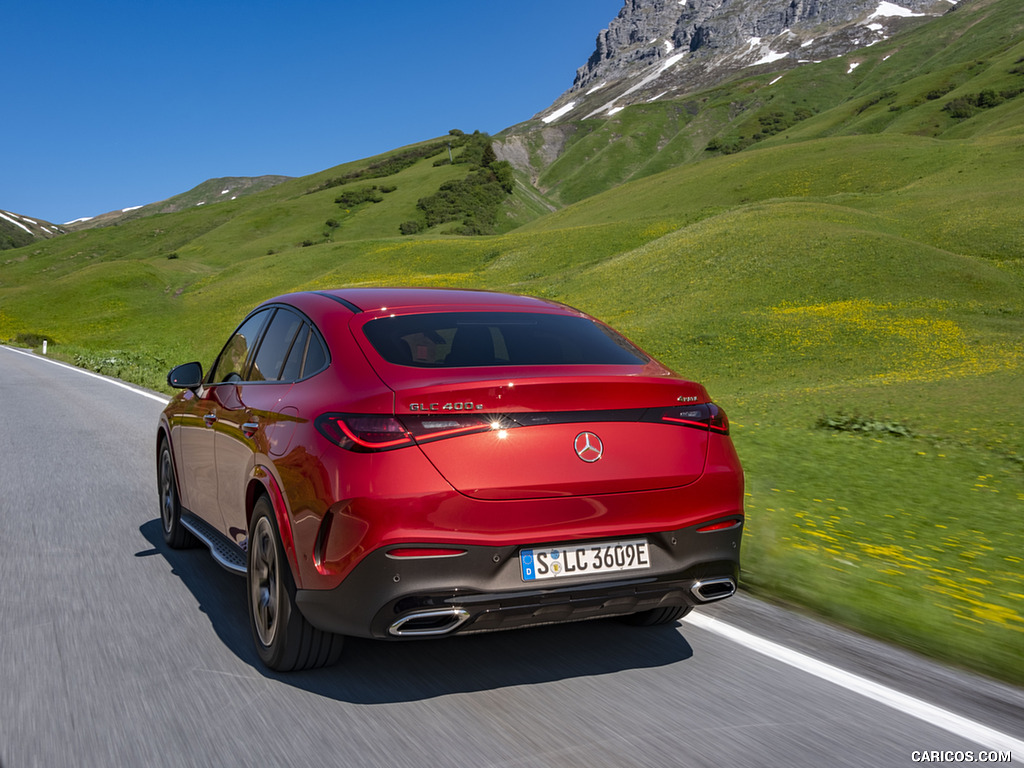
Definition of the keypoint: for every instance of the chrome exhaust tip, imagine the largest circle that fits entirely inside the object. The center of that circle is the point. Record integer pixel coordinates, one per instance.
(425, 623)
(707, 590)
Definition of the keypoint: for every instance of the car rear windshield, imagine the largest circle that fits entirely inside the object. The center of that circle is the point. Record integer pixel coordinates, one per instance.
(459, 339)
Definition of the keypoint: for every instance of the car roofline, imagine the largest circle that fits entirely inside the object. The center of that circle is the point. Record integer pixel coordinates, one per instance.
(370, 299)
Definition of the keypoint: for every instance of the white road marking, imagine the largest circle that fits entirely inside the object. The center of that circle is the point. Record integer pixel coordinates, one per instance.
(961, 726)
(152, 396)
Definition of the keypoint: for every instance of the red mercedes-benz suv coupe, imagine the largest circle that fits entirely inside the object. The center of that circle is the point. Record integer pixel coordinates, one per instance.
(408, 463)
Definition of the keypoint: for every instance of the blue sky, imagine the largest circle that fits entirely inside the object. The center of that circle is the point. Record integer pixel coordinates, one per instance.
(109, 105)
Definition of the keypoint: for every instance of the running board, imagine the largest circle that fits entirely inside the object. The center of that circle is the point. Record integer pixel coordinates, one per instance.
(228, 555)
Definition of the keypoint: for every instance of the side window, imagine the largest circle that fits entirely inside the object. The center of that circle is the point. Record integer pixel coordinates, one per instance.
(307, 355)
(276, 344)
(230, 365)
(316, 356)
(293, 366)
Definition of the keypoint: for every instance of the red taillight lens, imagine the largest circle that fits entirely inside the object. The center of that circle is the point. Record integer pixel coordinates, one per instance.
(428, 427)
(703, 416)
(360, 432)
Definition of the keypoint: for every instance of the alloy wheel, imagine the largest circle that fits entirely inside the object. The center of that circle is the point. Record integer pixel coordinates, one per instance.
(168, 493)
(265, 581)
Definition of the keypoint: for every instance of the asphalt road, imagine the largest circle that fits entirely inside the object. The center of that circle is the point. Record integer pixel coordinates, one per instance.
(116, 651)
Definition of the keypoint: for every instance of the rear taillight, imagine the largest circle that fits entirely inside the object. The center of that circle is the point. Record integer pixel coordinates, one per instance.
(361, 432)
(703, 416)
(369, 432)
(428, 427)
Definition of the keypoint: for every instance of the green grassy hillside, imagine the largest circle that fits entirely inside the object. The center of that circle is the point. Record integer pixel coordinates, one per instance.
(12, 236)
(850, 288)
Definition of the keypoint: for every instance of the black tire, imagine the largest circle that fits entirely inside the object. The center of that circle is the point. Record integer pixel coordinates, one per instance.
(175, 534)
(657, 616)
(284, 640)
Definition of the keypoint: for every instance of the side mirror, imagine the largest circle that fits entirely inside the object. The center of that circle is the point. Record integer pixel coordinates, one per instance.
(187, 376)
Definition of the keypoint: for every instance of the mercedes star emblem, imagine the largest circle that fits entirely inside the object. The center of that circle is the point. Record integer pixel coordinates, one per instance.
(589, 447)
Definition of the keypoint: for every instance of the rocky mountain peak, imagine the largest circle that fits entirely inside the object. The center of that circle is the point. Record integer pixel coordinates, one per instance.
(667, 48)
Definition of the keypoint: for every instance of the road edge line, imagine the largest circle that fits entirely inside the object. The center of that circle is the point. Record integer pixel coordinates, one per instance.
(100, 376)
(959, 725)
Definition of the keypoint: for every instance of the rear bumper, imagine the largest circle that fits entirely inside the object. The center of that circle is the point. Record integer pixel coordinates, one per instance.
(483, 590)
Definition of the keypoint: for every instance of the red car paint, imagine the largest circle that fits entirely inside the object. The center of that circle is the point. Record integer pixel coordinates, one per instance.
(388, 445)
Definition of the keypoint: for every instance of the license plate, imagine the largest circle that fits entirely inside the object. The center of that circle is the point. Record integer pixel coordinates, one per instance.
(585, 559)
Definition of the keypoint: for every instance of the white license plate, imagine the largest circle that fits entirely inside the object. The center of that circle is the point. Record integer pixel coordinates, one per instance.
(584, 559)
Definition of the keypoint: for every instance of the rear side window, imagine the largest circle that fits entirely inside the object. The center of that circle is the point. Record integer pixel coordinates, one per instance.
(293, 365)
(460, 339)
(307, 356)
(316, 356)
(277, 343)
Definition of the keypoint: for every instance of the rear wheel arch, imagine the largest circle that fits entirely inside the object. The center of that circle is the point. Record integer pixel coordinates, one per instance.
(253, 491)
(285, 640)
(263, 485)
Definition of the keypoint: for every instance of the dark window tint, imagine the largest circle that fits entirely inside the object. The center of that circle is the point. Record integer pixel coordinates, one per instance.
(293, 366)
(316, 356)
(456, 339)
(231, 364)
(277, 343)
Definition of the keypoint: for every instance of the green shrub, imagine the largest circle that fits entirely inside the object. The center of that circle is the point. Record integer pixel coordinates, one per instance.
(32, 339)
(475, 200)
(137, 367)
(988, 99)
(474, 149)
(352, 197)
(938, 93)
(503, 173)
(728, 146)
(964, 107)
(863, 425)
(386, 167)
(960, 108)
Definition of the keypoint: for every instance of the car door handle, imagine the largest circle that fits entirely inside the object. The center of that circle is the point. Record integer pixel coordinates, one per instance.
(249, 428)
(210, 419)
